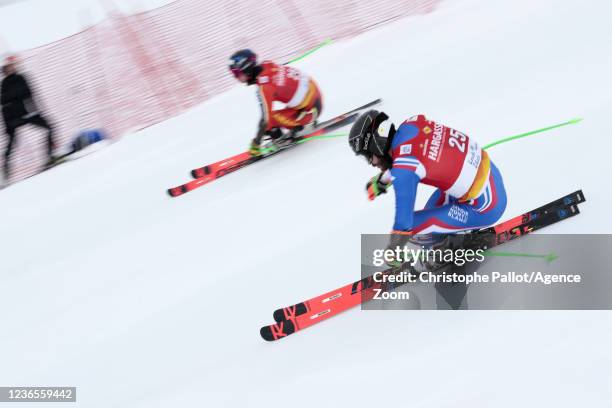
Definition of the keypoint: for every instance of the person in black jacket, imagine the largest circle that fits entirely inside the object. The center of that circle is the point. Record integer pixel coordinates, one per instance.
(18, 109)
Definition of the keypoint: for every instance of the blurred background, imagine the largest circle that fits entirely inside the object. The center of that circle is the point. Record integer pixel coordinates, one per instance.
(142, 300)
(121, 66)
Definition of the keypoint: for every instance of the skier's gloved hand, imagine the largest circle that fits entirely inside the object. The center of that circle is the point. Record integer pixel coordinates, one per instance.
(376, 187)
(394, 263)
(255, 148)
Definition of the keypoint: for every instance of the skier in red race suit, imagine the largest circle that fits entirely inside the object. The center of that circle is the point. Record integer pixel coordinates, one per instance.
(470, 191)
(278, 83)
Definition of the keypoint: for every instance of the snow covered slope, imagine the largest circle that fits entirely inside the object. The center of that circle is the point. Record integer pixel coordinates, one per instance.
(140, 300)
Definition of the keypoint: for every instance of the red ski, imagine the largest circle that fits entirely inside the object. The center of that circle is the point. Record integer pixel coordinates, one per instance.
(211, 172)
(302, 315)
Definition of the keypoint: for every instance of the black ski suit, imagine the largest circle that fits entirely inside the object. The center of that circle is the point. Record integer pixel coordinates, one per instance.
(18, 109)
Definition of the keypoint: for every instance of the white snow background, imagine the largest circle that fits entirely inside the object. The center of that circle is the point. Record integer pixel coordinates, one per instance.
(141, 300)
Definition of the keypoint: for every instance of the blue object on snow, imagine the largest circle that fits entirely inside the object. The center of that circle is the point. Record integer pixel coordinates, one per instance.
(86, 138)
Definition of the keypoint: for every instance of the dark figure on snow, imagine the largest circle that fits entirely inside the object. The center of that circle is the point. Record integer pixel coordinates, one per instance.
(18, 109)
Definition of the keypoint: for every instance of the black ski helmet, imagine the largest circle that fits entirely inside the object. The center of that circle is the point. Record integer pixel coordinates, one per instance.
(243, 62)
(365, 137)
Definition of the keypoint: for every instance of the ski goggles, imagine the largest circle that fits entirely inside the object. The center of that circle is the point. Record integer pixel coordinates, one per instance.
(235, 71)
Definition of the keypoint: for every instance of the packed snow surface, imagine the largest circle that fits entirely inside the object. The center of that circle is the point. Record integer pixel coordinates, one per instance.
(141, 300)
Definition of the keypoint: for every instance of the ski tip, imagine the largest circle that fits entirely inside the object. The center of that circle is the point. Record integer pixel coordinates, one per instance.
(172, 192)
(277, 331)
(580, 198)
(280, 315)
(568, 211)
(200, 172)
(176, 191)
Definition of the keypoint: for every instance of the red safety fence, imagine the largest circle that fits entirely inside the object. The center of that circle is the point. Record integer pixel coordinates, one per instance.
(129, 72)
